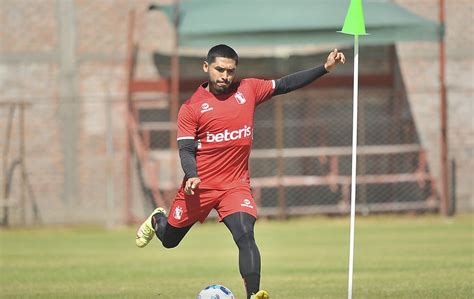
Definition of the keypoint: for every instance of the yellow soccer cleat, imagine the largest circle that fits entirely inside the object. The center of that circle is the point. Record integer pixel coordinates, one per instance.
(261, 295)
(146, 231)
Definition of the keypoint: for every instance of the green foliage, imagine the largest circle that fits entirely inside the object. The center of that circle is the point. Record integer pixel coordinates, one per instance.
(395, 257)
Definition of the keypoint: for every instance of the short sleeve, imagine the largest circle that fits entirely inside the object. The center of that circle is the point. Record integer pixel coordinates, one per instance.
(263, 89)
(187, 124)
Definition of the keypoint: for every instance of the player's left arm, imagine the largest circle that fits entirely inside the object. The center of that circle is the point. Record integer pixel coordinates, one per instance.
(300, 79)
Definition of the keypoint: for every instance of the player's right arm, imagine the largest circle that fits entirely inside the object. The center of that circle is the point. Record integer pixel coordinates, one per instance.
(187, 127)
(187, 155)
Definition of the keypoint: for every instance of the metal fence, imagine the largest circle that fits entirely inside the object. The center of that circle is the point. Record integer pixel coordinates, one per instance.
(64, 167)
(301, 161)
(301, 157)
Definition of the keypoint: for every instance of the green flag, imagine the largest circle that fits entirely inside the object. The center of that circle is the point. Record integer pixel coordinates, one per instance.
(354, 23)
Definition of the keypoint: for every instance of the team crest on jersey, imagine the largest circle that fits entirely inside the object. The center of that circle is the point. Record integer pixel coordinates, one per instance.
(178, 213)
(205, 107)
(239, 97)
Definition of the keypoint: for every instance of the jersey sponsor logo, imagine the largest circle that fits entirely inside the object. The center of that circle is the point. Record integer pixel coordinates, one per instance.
(227, 135)
(205, 108)
(247, 203)
(178, 213)
(239, 97)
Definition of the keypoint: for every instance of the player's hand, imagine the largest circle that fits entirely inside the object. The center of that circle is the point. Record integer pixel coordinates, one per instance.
(334, 59)
(191, 185)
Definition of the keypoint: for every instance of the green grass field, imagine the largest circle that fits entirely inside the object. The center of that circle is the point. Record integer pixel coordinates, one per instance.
(395, 257)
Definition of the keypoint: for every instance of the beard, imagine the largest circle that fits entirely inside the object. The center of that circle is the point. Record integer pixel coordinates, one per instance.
(221, 87)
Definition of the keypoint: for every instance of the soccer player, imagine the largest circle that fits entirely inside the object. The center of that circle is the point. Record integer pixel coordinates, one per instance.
(215, 132)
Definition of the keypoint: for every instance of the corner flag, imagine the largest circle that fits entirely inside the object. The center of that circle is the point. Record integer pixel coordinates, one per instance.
(354, 24)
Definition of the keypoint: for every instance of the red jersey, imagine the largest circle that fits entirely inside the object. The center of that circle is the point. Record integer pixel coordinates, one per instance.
(222, 125)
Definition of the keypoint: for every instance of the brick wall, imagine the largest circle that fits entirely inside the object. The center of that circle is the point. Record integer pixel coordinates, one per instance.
(75, 130)
(420, 68)
(36, 67)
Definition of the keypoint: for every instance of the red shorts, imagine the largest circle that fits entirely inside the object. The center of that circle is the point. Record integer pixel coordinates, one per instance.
(187, 209)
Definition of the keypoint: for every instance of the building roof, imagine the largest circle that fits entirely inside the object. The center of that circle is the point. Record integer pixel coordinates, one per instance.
(256, 23)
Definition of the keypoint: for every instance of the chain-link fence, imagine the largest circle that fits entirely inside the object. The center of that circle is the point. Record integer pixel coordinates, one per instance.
(301, 157)
(301, 161)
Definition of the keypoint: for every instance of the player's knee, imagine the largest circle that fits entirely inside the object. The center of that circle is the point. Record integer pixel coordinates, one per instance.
(169, 245)
(246, 240)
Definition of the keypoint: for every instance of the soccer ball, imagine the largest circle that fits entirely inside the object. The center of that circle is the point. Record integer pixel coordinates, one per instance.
(215, 291)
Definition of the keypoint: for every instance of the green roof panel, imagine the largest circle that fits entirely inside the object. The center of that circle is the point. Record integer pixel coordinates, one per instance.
(297, 22)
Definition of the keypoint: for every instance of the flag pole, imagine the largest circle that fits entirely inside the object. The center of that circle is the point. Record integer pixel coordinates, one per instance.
(354, 24)
(354, 162)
